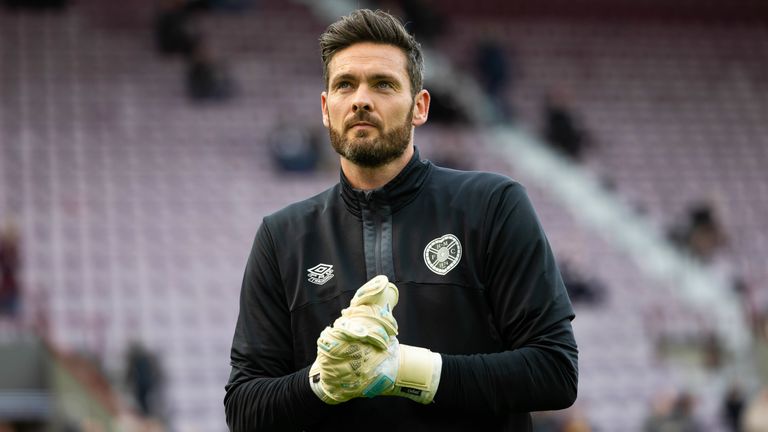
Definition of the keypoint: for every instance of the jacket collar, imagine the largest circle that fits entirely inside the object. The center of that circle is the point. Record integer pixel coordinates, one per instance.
(396, 194)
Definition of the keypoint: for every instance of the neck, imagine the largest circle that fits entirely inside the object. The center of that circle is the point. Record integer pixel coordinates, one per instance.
(374, 178)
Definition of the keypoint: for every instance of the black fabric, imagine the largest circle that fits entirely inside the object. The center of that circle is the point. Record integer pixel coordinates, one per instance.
(500, 318)
(377, 239)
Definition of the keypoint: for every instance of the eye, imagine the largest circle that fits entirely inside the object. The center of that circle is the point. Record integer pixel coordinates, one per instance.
(384, 85)
(343, 85)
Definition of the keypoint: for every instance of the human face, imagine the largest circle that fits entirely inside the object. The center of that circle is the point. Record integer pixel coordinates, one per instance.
(368, 108)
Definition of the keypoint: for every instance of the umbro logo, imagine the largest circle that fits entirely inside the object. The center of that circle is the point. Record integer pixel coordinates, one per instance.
(320, 274)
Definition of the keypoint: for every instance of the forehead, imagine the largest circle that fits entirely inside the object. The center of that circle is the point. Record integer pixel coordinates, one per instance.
(369, 57)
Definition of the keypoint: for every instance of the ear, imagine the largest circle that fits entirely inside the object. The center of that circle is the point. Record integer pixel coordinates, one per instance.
(324, 105)
(421, 108)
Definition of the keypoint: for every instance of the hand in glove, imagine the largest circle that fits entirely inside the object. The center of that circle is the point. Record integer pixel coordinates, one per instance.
(360, 355)
(356, 343)
(369, 316)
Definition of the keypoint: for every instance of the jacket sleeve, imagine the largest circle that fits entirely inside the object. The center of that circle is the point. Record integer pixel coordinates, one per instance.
(532, 312)
(265, 392)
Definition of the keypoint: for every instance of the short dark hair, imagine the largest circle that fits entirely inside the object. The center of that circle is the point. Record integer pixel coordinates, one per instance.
(365, 25)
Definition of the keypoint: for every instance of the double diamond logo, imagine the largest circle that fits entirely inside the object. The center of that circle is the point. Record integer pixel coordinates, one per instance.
(320, 274)
(443, 254)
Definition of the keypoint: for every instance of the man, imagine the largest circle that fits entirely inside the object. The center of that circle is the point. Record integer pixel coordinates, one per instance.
(481, 306)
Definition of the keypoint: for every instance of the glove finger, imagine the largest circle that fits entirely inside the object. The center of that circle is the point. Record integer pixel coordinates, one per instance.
(376, 314)
(345, 334)
(371, 325)
(336, 344)
(337, 373)
(347, 372)
(337, 339)
(327, 342)
(356, 359)
(355, 330)
(377, 291)
(334, 350)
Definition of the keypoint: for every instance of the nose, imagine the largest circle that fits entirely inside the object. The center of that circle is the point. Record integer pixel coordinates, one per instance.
(362, 100)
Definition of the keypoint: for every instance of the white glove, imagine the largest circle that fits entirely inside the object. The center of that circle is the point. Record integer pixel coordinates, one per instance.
(365, 329)
(348, 368)
(360, 355)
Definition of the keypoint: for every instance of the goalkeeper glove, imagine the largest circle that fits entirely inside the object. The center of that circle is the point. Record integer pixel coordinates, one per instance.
(365, 329)
(352, 362)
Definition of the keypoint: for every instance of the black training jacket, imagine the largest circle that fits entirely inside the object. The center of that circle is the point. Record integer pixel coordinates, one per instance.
(478, 284)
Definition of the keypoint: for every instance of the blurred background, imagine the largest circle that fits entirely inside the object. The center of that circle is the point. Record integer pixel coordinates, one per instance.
(142, 142)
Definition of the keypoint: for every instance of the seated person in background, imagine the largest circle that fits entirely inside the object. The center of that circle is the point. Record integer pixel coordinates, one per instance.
(496, 71)
(207, 79)
(705, 235)
(9, 266)
(294, 148)
(580, 289)
(674, 415)
(175, 32)
(702, 234)
(561, 128)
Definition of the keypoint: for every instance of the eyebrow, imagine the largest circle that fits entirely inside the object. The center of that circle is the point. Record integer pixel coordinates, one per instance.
(384, 76)
(375, 77)
(343, 77)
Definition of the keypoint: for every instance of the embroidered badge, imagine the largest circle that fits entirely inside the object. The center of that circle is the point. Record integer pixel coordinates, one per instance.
(320, 274)
(443, 254)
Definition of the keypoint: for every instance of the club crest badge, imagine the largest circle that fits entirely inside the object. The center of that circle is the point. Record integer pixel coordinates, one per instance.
(443, 254)
(320, 274)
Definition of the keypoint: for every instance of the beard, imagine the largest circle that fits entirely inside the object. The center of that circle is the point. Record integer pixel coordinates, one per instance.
(372, 152)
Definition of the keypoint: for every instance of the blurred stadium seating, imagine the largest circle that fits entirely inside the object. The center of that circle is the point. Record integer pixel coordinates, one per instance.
(136, 208)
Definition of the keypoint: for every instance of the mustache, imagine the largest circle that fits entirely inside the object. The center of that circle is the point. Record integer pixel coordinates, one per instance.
(361, 116)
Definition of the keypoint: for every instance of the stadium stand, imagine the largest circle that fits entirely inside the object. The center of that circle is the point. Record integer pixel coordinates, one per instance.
(136, 208)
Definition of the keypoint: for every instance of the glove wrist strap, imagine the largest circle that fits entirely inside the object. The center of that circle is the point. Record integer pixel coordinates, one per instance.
(418, 374)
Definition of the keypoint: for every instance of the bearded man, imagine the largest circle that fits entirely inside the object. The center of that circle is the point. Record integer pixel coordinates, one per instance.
(461, 320)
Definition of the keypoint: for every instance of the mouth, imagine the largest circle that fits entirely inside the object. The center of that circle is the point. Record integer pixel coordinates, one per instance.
(362, 125)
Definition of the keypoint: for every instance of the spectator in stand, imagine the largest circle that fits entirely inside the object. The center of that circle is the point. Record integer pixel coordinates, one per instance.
(561, 127)
(706, 235)
(445, 110)
(207, 78)
(701, 235)
(423, 19)
(679, 417)
(581, 290)
(9, 271)
(733, 408)
(712, 350)
(144, 378)
(175, 31)
(496, 70)
(294, 148)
